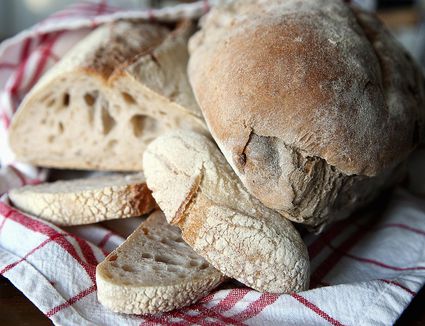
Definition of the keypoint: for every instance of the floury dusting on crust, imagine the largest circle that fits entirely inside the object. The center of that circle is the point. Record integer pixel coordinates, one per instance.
(199, 192)
(314, 104)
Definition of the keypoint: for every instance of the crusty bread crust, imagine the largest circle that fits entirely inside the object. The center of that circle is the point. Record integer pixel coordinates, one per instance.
(198, 191)
(107, 99)
(154, 271)
(84, 201)
(307, 100)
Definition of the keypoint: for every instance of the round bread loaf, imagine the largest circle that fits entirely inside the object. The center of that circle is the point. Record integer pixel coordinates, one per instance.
(313, 103)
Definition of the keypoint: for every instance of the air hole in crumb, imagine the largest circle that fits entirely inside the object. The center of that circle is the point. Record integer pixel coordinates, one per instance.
(60, 126)
(128, 98)
(113, 258)
(50, 139)
(107, 121)
(193, 263)
(171, 269)
(142, 124)
(180, 240)
(146, 255)
(50, 103)
(114, 264)
(181, 275)
(90, 99)
(161, 259)
(137, 124)
(128, 268)
(66, 99)
(145, 231)
(111, 144)
(165, 241)
(204, 266)
(162, 113)
(153, 237)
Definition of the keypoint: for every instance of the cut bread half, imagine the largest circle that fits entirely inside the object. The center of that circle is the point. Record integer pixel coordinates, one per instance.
(153, 271)
(84, 201)
(200, 193)
(114, 92)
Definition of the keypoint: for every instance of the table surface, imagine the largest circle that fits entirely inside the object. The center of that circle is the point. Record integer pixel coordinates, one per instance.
(16, 309)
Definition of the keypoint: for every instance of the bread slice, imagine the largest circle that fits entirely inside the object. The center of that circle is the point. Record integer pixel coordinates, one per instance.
(153, 271)
(83, 201)
(115, 91)
(199, 192)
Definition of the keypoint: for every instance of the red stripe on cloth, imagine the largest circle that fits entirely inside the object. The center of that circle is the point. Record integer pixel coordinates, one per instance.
(401, 226)
(413, 293)
(154, 320)
(101, 8)
(46, 50)
(317, 246)
(206, 6)
(227, 303)
(23, 58)
(40, 227)
(329, 263)
(41, 245)
(204, 313)
(19, 174)
(231, 299)
(214, 312)
(8, 65)
(71, 301)
(105, 239)
(316, 309)
(376, 262)
(86, 250)
(82, 11)
(3, 222)
(5, 119)
(254, 308)
(151, 15)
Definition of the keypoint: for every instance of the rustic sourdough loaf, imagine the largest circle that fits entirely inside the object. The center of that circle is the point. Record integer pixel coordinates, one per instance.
(116, 90)
(199, 192)
(153, 271)
(84, 201)
(314, 104)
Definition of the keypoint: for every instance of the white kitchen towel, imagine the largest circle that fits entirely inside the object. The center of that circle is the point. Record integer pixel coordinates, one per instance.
(365, 270)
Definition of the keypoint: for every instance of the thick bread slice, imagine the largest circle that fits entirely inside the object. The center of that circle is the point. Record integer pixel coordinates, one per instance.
(115, 91)
(153, 271)
(198, 191)
(83, 201)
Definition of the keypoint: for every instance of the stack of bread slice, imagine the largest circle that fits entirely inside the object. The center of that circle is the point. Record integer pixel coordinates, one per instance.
(300, 101)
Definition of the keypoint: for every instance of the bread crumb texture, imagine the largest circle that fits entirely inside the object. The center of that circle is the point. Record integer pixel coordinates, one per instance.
(154, 271)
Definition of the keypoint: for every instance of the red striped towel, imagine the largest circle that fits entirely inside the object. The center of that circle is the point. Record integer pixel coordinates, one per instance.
(365, 270)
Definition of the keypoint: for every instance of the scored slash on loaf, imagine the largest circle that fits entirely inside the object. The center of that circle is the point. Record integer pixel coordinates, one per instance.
(115, 91)
(84, 201)
(153, 271)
